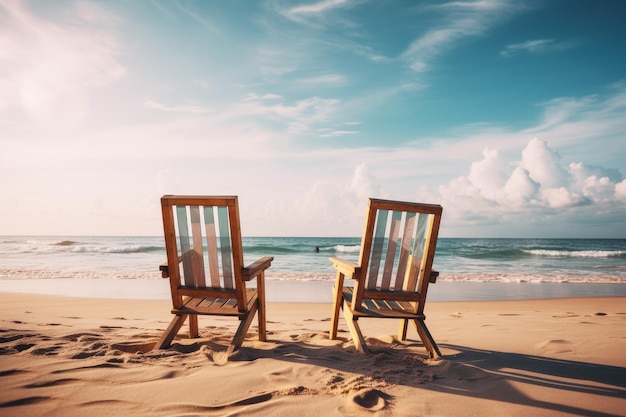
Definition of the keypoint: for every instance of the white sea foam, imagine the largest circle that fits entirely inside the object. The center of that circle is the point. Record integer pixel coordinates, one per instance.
(534, 278)
(576, 254)
(347, 249)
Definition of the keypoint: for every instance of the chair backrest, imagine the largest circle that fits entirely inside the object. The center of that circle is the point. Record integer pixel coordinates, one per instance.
(398, 247)
(203, 244)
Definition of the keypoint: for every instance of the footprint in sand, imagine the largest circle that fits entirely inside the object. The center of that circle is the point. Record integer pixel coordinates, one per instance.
(369, 399)
(556, 346)
(565, 315)
(220, 358)
(133, 347)
(467, 372)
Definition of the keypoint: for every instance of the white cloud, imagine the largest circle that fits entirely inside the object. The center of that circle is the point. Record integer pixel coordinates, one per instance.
(190, 108)
(561, 198)
(536, 46)
(537, 190)
(254, 96)
(326, 79)
(315, 9)
(300, 116)
(599, 189)
(520, 189)
(542, 164)
(49, 70)
(327, 133)
(489, 175)
(620, 191)
(461, 20)
(326, 207)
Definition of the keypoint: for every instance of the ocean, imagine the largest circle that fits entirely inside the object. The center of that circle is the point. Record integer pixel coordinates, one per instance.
(469, 268)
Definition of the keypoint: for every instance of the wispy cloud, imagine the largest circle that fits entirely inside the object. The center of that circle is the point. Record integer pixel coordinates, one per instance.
(325, 79)
(190, 108)
(327, 133)
(254, 96)
(460, 21)
(537, 46)
(314, 9)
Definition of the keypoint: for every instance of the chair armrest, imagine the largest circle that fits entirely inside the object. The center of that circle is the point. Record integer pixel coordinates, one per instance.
(165, 270)
(255, 268)
(433, 276)
(349, 269)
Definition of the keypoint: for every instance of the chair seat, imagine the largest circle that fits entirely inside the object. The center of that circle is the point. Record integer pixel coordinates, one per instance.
(216, 306)
(380, 307)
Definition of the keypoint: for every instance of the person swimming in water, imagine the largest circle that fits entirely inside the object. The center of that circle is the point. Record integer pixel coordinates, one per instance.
(317, 249)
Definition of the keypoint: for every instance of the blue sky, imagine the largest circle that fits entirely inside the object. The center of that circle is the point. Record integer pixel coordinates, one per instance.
(510, 114)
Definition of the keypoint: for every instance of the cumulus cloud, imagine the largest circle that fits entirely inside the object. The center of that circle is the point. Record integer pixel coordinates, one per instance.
(620, 191)
(542, 164)
(326, 207)
(488, 175)
(497, 190)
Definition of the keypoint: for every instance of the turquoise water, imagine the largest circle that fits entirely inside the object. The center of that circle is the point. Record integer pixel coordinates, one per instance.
(566, 266)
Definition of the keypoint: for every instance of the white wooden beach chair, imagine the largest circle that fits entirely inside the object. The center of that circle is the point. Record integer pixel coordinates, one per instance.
(394, 270)
(205, 266)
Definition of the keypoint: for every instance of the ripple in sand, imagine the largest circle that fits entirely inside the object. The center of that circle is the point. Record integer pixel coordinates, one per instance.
(13, 372)
(53, 383)
(23, 401)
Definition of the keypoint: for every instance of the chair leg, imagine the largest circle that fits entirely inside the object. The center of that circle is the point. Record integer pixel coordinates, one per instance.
(193, 326)
(427, 338)
(404, 324)
(261, 313)
(240, 335)
(171, 331)
(355, 330)
(337, 292)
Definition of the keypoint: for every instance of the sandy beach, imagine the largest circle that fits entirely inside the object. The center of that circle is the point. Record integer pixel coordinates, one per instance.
(64, 356)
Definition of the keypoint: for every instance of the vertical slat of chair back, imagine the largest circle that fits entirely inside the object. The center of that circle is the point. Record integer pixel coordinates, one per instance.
(405, 250)
(225, 247)
(415, 260)
(378, 244)
(191, 247)
(392, 246)
(430, 242)
(211, 240)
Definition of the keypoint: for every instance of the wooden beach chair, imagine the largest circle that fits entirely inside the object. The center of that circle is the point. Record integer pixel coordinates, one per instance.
(393, 272)
(205, 266)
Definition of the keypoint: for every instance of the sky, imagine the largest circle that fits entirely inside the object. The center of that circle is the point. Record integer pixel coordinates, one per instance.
(510, 114)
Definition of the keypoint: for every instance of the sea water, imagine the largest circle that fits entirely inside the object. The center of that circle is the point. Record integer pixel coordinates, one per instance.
(496, 268)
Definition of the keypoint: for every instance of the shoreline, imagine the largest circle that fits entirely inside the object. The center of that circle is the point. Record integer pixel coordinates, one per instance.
(70, 356)
(313, 291)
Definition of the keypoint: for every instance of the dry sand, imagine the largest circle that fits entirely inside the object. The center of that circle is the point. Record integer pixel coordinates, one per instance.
(67, 357)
